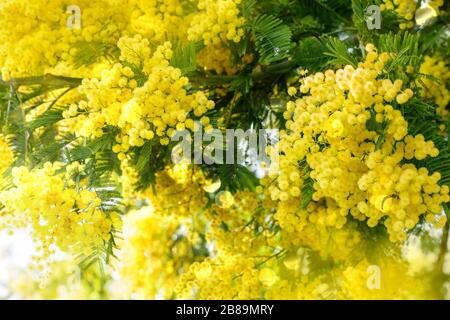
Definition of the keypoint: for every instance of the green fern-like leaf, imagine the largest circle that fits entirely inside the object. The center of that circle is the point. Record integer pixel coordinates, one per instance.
(422, 119)
(310, 54)
(48, 118)
(339, 52)
(273, 38)
(307, 192)
(405, 48)
(88, 53)
(329, 12)
(235, 177)
(185, 57)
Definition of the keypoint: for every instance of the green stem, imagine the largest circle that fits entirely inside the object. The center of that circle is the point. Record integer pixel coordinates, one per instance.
(275, 69)
(208, 80)
(275, 255)
(212, 80)
(48, 79)
(267, 72)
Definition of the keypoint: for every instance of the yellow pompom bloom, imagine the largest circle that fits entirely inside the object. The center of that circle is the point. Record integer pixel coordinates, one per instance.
(158, 106)
(435, 88)
(58, 213)
(327, 140)
(152, 258)
(217, 21)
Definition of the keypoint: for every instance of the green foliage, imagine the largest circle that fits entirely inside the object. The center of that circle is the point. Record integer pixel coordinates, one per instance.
(360, 17)
(308, 183)
(307, 192)
(339, 52)
(405, 48)
(185, 57)
(88, 53)
(378, 127)
(48, 118)
(282, 36)
(149, 159)
(236, 177)
(99, 257)
(429, 129)
(272, 38)
(376, 245)
(422, 119)
(310, 54)
(331, 13)
(435, 39)
(359, 8)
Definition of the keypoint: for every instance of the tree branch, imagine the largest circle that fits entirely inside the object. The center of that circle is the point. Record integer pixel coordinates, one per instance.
(48, 79)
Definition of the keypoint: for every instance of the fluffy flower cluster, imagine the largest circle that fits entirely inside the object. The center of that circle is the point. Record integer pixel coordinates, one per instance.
(223, 277)
(103, 104)
(216, 58)
(154, 109)
(68, 216)
(171, 237)
(346, 165)
(290, 276)
(39, 38)
(407, 9)
(320, 226)
(218, 21)
(240, 226)
(178, 191)
(155, 19)
(435, 87)
(154, 254)
(355, 169)
(36, 38)
(359, 281)
(61, 281)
